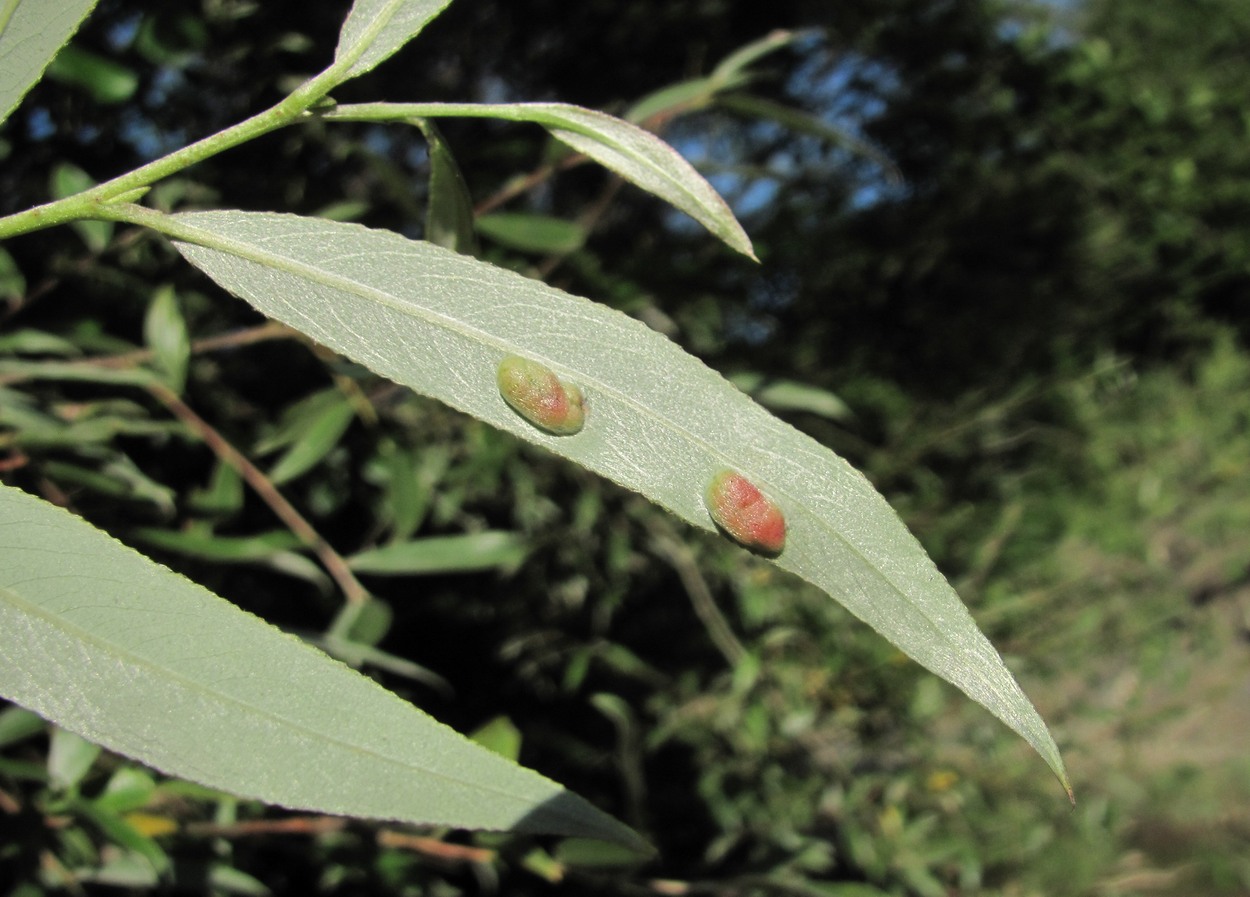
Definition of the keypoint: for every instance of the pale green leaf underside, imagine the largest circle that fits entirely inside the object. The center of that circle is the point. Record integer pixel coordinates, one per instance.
(636, 155)
(120, 650)
(381, 27)
(31, 33)
(659, 421)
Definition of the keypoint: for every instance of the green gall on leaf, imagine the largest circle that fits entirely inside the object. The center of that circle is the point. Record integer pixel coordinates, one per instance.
(745, 515)
(538, 395)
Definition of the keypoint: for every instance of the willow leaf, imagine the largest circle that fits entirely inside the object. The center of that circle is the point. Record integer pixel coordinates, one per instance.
(659, 421)
(375, 29)
(31, 32)
(449, 209)
(636, 155)
(111, 646)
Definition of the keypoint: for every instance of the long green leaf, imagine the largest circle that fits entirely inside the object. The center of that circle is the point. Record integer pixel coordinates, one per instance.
(464, 553)
(107, 644)
(636, 155)
(31, 32)
(730, 72)
(658, 422)
(527, 232)
(804, 123)
(375, 29)
(449, 209)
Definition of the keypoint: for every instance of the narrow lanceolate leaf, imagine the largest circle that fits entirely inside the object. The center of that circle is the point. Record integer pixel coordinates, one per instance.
(527, 232)
(375, 29)
(113, 647)
(660, 422)
(636, 155)
(442, 554)
(642, 158)
(449, 208)
(31, 32)
(731, 72)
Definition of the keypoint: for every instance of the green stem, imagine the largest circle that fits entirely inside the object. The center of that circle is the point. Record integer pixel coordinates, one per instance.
(534, 113)
(94, 203)
(129, 187)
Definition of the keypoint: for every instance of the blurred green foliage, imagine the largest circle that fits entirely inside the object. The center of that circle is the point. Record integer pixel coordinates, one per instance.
(1017, 296)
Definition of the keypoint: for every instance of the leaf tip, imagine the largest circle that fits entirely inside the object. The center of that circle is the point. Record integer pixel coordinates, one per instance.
(736, 239)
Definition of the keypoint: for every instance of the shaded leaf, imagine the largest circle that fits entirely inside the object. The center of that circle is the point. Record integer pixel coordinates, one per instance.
(229, 880)
(442, 554)
(686, 96)
(542, 234)
(224, 549)
(17, 724)
(70, 757)
(788, 395)
(12, 281)
(223, 494)
(804, 123)
(123, 834)
(588, 855)
(165, 333)
(363, 622)
(120, 870)
(127, 654)
(36, 342)
(67, 180)
(117, 477)
(731, 70)
(321, 436)
(501, 736)
(660, 422)
(667, 102)
(276, 550)
(449, 215)
(101, 78)
(310, 429)
(357, 655)
(96, 424)
(83, 372)
(128, 789)
(408, 479)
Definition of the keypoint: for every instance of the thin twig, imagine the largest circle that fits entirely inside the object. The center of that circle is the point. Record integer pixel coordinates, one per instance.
(526, 182)
(79, 267)
(297, 825)
(9, 804)
(132, 359)
(232, 340)
(432, 847)
(587, 221)
(350, 389)
(353, 591)
(682, 561)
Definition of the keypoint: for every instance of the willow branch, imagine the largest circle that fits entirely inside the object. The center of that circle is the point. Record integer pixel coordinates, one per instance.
(334, 563)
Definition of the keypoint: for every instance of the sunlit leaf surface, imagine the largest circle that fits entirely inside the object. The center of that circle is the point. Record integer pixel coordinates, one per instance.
(658, 421)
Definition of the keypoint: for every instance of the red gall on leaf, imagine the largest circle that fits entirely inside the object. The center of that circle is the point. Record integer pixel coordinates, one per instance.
(745, 515)
(538, 395)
